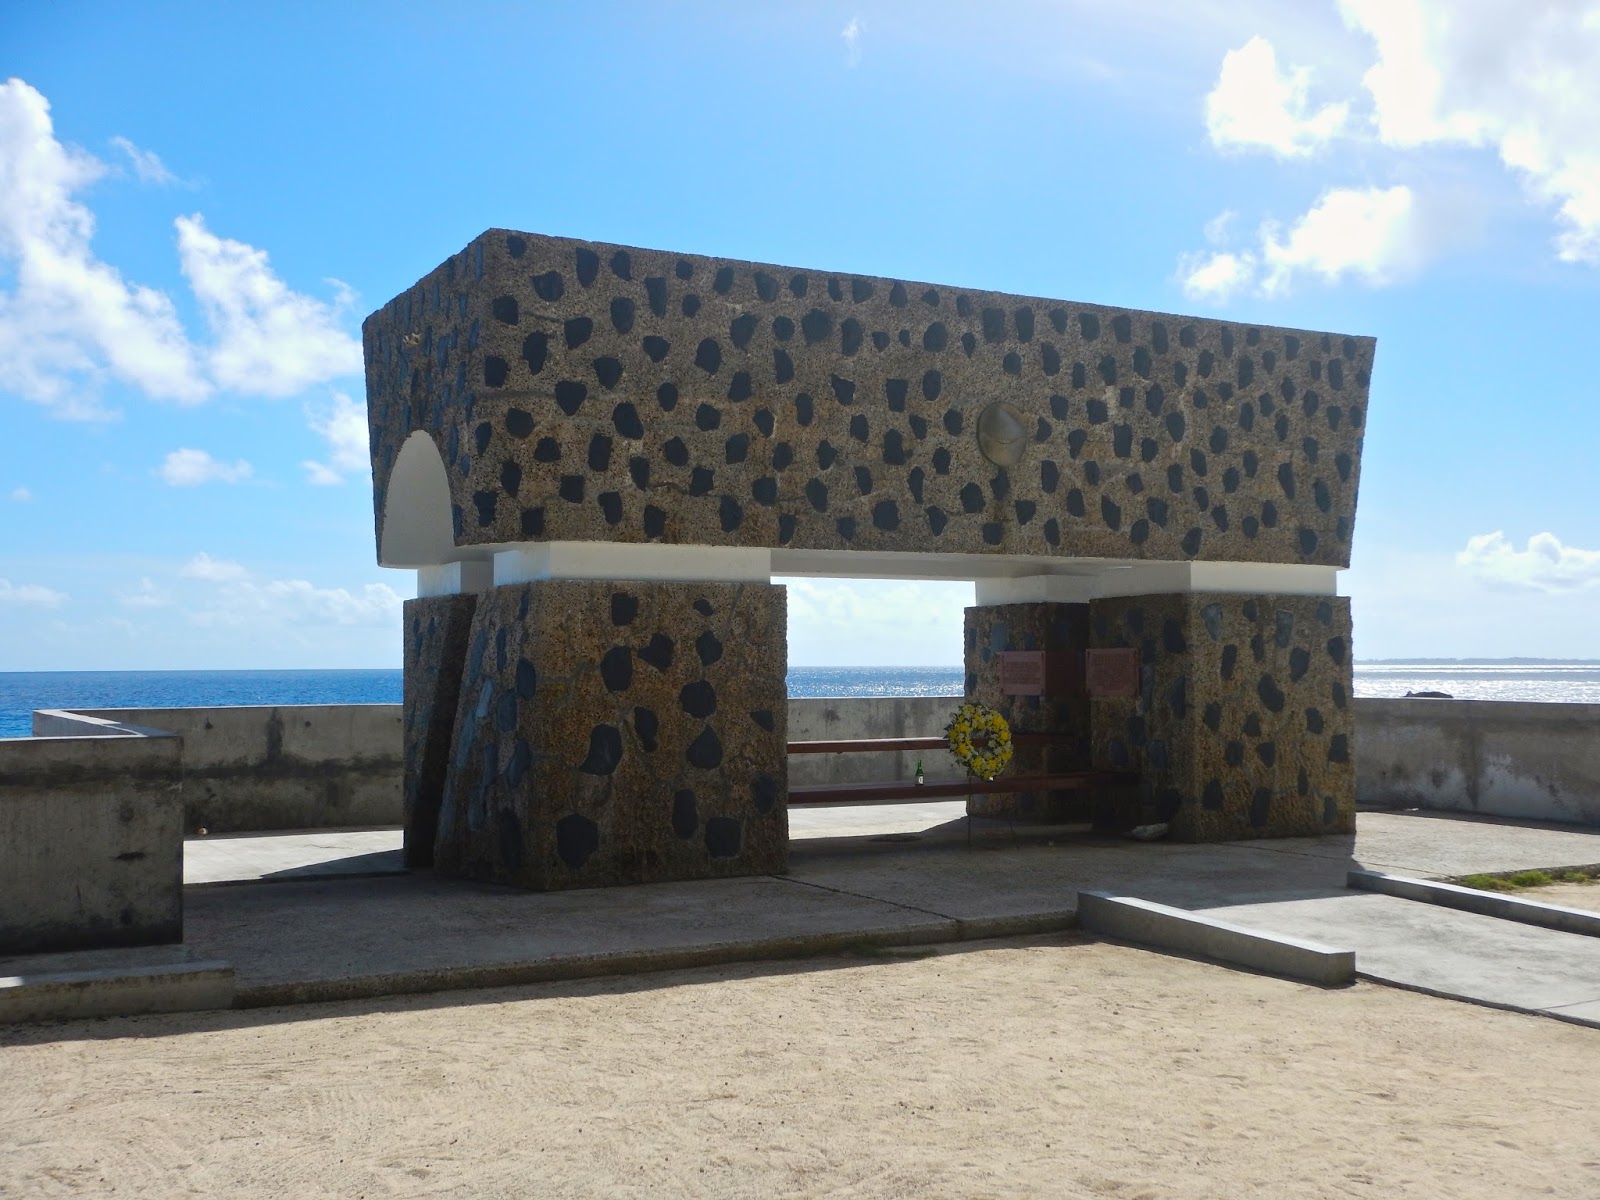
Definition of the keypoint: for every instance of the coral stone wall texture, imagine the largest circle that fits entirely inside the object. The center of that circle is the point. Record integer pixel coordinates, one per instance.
(1243, 725)
(1054, 628)
(619, 733)
(436, 634)
(580, 391)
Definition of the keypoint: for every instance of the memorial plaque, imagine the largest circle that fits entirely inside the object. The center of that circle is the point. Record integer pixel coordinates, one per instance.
(1055, 673)
(1112, 674)
(1022, 672)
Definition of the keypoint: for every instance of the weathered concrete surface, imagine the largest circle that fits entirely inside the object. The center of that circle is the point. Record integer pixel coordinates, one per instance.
(322, 854)
(295, 941)
(443, 927)
(1487, 904)
(91, 842)
(332, 930)
(1491, 757)
(1502, 963)
(852, 718)
(302, 766)
(314, 854)
(1145, 923)
(112, 991)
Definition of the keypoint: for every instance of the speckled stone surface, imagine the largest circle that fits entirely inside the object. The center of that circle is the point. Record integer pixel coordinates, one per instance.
(1243, 725)
(589, 392)
(1059, 628)
(620, 733)
(436, 631)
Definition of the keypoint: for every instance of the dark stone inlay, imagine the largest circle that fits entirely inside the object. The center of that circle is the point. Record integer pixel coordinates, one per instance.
(577, 837)
(705, 752)
(605, 751)
(685, 814)
(698, 699)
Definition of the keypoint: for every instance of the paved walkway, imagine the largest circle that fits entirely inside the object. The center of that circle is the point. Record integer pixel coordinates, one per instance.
(1443, 951)
(338, 920)
(898, 875)
(331, 853)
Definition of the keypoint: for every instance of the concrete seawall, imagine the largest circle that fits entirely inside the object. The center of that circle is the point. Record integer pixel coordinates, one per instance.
(91, 842)
(312, 766)
(1492, 758)
(245, 769)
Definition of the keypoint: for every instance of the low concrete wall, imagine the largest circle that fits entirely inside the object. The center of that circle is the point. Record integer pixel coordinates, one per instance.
(1490, 757)
(846, 718)
(315, 766)
(91, 842)
(304, 766)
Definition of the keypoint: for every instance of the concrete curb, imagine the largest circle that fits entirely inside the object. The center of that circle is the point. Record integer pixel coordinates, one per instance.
(1488, 904)
(116, 992)
(639, 962)
(1145, 923)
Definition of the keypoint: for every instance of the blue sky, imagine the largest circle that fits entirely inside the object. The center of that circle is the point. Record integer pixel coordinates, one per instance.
(198, 204)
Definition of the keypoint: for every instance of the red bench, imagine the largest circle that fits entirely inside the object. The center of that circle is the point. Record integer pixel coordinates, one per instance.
(899, 791)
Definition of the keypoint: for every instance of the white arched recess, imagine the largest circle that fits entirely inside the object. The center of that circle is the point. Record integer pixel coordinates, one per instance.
(417, 530)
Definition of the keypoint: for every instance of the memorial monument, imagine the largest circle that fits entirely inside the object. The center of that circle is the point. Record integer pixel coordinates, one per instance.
(597, 457)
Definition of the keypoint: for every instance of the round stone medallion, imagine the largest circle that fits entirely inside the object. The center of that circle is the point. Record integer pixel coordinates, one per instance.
(1002, 435)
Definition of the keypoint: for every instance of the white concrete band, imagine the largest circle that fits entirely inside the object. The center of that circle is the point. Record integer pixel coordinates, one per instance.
(650, 562)
(455, 578)
(1149, 579)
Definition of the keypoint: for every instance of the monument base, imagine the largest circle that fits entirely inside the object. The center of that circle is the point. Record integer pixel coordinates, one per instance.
(612, 733)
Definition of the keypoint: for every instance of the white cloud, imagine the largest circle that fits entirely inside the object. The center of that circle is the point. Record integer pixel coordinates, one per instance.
(22, 495)
(838, 622)
(851, 34)
(1218, 276)
(1369, 233)
(190, 468)
(1374, 235)
(147, 165)
(1216, 229)
(71, 321)
(270, 341)
(30, 594)
(71, 324)
(241, 599)
(1545, 565)
(1515, 75)
(146, 595)
(1254, 106)
(344, 425)
(213, 570)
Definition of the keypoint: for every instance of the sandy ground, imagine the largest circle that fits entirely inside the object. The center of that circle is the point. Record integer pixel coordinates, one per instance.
(1568, 895)
(1050, 1068)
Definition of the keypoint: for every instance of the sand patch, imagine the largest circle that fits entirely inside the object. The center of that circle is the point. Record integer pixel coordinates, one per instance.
(1059, 1068)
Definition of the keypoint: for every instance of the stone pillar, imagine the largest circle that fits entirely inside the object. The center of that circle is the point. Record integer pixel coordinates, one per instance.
(614, 733)
(436, 632)
(1055, 628)
(1242, 726)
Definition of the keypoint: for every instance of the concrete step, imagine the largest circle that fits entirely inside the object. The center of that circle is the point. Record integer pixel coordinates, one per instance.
(32, 992)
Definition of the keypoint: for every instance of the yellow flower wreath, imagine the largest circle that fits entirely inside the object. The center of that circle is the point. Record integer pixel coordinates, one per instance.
(973, 723)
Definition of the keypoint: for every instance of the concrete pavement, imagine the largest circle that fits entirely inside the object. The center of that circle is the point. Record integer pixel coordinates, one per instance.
(858, 877)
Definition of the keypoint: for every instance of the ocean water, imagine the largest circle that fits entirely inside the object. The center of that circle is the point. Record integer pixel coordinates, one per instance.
(22, 692)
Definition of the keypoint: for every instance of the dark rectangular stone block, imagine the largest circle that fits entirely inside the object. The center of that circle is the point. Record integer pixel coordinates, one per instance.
(436, 631)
